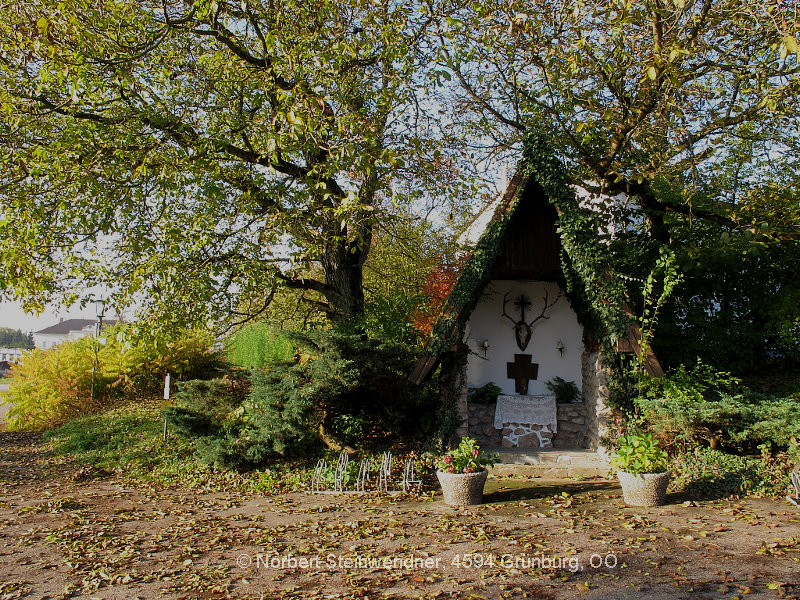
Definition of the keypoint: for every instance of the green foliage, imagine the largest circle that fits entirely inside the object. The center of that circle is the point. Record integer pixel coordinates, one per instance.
(565, 391)
(739, 305)
(700, 383)
(710, 473)
(709, 408)
(83, 376)
(341, 389)
(486, 394)
(466, 458)
(258, 345)
(639, 454)
(128, 441)
(314, 138)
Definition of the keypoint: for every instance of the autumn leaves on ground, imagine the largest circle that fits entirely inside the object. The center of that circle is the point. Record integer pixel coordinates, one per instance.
(69, 532)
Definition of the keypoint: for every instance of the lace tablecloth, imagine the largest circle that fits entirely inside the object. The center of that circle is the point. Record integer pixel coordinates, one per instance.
(526, 410)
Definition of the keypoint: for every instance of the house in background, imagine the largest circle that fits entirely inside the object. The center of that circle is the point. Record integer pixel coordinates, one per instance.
(66, 329)
(11, 355)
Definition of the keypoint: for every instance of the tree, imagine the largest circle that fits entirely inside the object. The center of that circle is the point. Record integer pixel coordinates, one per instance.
(685, 106)
(194, 155)
(638, 96)
(15, 338)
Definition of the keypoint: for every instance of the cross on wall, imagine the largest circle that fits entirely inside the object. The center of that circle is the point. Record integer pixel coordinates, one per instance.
(522, 370)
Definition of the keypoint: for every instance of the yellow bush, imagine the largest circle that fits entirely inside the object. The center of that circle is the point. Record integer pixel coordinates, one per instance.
(83, 376)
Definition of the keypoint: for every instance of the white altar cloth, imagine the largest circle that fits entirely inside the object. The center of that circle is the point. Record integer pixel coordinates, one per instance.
(526, 410)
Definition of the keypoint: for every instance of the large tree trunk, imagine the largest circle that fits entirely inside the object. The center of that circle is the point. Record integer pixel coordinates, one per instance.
(343, 265)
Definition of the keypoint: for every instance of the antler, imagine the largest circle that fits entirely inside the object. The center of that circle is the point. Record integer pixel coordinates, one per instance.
(544, 309)
(505, 314)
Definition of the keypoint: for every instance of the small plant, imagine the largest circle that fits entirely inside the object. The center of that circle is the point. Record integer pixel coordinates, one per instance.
(564, 391)
(486, 394)
(467, 458)
(639, 454)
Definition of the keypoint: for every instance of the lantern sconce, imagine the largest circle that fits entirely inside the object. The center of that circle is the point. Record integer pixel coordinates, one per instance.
(485, 346)
(560, 348)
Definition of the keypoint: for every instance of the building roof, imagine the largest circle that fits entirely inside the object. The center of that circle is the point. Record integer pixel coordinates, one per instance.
(69, 325)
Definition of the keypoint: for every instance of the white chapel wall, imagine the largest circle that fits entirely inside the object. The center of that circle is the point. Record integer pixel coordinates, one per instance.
(488, 323)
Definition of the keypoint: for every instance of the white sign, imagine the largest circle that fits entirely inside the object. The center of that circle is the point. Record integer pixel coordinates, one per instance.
(166, 387)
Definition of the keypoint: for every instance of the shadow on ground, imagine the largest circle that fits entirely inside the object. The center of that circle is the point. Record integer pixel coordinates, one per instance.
(508, 490)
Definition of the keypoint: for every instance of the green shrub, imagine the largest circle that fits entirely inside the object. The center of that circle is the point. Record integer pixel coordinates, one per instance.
(205, 407)
(709, 473)
(706, 408)
(258, 345)
(342, 390)
(83, 376)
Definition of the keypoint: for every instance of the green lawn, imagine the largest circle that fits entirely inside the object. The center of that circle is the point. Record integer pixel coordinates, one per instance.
(129, 441)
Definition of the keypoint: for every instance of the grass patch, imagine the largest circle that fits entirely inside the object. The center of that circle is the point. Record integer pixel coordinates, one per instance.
(128, 441)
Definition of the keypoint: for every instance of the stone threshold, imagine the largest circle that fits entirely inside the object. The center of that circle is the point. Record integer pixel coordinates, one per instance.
(551, 462)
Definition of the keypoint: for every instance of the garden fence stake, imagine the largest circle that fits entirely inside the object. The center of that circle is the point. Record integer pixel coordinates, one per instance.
(796, 483)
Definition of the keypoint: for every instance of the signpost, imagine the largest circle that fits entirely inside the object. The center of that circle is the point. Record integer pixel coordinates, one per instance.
(166, 402)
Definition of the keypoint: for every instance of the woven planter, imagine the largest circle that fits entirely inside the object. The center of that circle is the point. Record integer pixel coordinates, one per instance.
(462, 489)
(647, 489)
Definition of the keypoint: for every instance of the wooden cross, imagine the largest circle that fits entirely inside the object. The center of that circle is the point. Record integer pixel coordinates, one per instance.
(522, 370)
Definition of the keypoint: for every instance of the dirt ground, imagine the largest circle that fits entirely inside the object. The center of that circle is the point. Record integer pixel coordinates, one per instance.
(66, 534)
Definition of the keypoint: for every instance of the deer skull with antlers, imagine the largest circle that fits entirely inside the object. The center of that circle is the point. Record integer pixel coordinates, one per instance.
(523, 329)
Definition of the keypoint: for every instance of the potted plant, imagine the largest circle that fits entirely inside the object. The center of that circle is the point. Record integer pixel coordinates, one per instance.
(462, 473)
(564, 391)
(642, 470)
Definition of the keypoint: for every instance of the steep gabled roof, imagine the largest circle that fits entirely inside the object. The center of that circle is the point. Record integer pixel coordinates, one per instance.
(526, 238)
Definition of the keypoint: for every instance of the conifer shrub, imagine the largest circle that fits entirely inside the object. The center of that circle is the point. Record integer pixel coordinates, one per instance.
(724, 438)
(338, 391)
(702, 407)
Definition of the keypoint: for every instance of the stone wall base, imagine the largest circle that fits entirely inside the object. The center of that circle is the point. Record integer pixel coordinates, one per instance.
(572, 432)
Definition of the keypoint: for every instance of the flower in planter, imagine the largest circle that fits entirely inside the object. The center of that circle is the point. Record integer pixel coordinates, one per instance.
(467, 458)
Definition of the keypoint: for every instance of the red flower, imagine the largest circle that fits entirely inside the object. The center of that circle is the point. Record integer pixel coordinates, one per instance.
(475, 453)
(448, 460)
(469, 469)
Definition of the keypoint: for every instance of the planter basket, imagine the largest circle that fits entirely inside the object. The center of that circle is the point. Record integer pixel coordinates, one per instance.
(647, 489)
(462, 489)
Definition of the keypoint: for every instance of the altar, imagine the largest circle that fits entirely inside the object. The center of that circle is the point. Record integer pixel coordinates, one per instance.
(526, 421)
